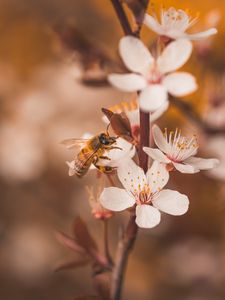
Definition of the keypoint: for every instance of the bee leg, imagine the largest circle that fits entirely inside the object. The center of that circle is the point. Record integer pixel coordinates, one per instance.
(105, 157)
(111, 148)
(105, 169)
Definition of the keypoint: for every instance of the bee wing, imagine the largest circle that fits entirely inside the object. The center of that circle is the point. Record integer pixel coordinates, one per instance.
(73, 143)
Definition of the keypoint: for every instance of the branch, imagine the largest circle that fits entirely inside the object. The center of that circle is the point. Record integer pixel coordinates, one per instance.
(122, 17)
(188, 110)
(124, 248)
(127, 241)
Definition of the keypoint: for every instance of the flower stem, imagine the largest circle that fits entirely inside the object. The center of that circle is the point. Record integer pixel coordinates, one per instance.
(144, 139)
(128, 238)
(106, 240)
(122, 17)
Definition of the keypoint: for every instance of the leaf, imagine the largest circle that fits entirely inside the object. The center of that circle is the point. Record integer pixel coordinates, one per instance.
(120, 124)
(86, 241)
(138, 8)
(83, 236)
(69, 242)
(72, 264)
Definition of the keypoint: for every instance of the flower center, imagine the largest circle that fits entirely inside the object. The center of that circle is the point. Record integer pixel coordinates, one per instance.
(154, 76)
(143, 196)
(180, 146)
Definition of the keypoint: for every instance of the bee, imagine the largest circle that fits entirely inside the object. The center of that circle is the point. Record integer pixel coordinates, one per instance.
(91, 151)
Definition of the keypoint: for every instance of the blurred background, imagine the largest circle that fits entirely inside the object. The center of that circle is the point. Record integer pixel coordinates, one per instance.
(46, 95)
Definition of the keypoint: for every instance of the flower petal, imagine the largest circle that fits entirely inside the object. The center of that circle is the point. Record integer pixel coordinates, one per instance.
(156, 114)
(180, 83)
(152, 97)
(200, 35)
(116, 199)
(156, 154)
(159, 139)
(127, 82)
(174, 56)
(157, 176)
(147, 216)
(135, 54)
(202, 163)
(188, 169)
(116, 155)
(153, 24)
(131, 175)
(171, 202)
(71, 165)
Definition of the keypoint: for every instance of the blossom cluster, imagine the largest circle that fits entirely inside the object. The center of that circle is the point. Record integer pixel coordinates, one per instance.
(153, 76)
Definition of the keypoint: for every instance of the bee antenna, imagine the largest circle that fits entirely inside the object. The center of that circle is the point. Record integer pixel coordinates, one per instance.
(107, 128)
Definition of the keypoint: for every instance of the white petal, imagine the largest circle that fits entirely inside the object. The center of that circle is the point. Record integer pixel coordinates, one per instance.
(156, 154)
(159, 139)
(71, 165)
(200, 35)
(147, 216)
(157, 176)
(153, 24)
(202, 163)
(131, 175)
(127, 82)
(116, 199)
(152, 97)
(180, 83)
(156, 114)
(116, 155)
(171, 202)
(174, 56)
(188, 169)
(135, 54)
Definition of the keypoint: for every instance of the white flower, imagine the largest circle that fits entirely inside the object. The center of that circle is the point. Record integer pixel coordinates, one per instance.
(174, 24)
(146, 192)
(177, 151)
(150, 76)
(115, 155)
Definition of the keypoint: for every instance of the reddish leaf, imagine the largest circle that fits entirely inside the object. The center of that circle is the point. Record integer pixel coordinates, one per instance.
(69, 242)
(120, 124)
(83, 236)
(72, 264)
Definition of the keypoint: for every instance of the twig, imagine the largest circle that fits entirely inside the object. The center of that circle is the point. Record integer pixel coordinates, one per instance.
(125, 246)
(122, 17)
(106, 244)
(127, 241)
(144, 139)
(188, 110)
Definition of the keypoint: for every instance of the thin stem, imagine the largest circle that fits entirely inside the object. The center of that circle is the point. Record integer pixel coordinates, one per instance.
(144, 139)
(106, 242)
(122, 17)
(128, 238)
(124, 248)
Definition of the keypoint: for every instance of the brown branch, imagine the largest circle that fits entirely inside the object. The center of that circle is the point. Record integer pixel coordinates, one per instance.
(127, 241)
(122, 17)
(106, 242)
(144, 139)
(124, 248)
(188, 110)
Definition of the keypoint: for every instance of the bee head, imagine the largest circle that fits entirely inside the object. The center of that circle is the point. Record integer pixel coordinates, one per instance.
(106, 140)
